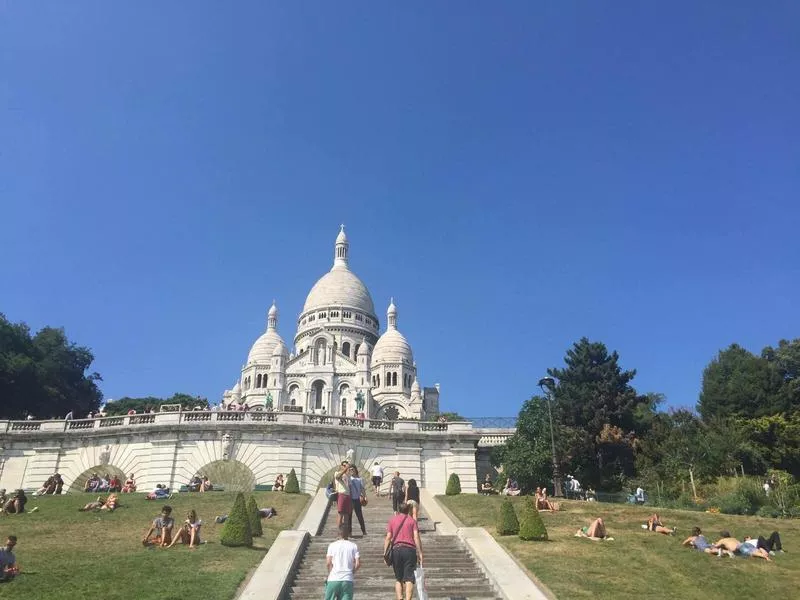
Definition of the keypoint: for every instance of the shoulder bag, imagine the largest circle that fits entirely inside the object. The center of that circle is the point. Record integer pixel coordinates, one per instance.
(388, 554)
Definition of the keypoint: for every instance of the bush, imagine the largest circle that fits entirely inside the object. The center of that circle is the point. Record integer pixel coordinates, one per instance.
(507, 522)
(531, 526)
(453, 485)
(734, 503)
(292, 486)
(236, 531)
(255, 517)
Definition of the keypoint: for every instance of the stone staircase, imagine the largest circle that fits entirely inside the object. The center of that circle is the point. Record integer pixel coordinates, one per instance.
(450, 572)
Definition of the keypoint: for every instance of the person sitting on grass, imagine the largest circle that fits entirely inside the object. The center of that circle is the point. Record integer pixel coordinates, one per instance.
(104, 486)
(595, 531)
(189, 533)
(3, 499)
(92, 484)
(512, 487)
(96, 505)
(195, 483)
(654, 524)
(53, 483)
(264, 513)
(772, 544)
(206, 485)
(8, 562)
(162, 526)
(487, 487)
(130, 485)
(279, 485)
(16, 504)
(732, 545)
(114, 484)
(542, 502)
(160, 492)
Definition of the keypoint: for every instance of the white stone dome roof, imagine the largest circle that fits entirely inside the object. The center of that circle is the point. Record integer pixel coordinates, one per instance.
(363, 350)
(392, 347)
(261, 352)
(340, 287)
(280, 349)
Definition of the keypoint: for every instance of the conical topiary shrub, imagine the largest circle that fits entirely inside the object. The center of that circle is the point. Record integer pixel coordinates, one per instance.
(531, 526)
(292, 487)
(255, 517)
(507, 522)
(236, 531)
(453, 485)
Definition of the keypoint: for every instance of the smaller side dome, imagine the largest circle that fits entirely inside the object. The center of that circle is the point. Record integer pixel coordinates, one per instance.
(363, 349)
(415, 387)
(279, 349)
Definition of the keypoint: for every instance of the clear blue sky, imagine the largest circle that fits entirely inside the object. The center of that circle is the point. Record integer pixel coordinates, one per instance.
(517, 175)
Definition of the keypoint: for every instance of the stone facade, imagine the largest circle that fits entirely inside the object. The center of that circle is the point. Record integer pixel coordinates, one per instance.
(340, 364)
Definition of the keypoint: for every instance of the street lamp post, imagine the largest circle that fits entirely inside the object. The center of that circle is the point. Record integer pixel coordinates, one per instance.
(548, 384)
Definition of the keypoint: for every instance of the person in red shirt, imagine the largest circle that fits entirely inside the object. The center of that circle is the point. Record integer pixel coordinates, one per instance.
(402, 533)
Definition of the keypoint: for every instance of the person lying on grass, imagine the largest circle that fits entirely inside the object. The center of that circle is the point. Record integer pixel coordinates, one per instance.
(264, 513)
(189, 533)
(8, 563)
(772, 544)
(96, 505)
(699, 542)
(162, 526)
(111, 503)
(595, 531)
(732, 545)
(160, 492)
(654, 524)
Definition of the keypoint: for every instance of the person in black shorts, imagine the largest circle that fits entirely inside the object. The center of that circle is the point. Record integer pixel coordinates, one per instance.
(403, 534)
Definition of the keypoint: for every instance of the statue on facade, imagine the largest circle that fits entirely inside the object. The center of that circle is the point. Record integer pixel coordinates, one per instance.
(105, 455)
(227, 446)
(268, 402)
(360, 402)
(349, 455)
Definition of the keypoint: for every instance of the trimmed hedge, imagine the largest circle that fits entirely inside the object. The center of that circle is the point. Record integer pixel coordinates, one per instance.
(236, 531)
(292, 486)
(255, 517)
(507, 522)
(531, 526)
(453, 485)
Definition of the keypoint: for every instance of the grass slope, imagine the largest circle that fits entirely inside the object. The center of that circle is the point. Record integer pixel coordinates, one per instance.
(66, 554)
(639, 564)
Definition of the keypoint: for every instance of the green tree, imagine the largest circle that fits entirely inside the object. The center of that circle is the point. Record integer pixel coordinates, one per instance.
(236, 531)
(255, 517)
(594, 393)
(507, 522)
(531, 526)
(527, 455)
(453, 485)
(144, 404)
(292, 485)
(44, 374)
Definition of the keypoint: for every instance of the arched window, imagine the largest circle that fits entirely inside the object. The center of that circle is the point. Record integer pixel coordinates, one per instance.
(294, 394)
(355, 350)
(258, 380)
(316, 393)
(377, 381)
(394, 378)
(346, 349)
(344, 407)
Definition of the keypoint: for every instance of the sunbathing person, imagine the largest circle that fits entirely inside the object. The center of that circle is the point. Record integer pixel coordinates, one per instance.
(96, 505)
(111, 503)
(512, 487)
(206, 485)
(654, 524)
(699, 542)
(16, 504)
(595, 531)
(279, 485)
(160, 492)
(189, 533)
(542, 503)
(772, 544)
(264, 513)
(731, 544)
(114, 484)
(130, 485)
(53, 485)
(162, 526)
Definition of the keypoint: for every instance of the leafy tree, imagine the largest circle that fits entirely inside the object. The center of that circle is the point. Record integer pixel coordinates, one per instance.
(527, 455)
(44, 374)
(531, 526)
(292, 486)
(144, 404)
(507, 522)
(453, 485)
(450, 416)
(255, 517)
(236, 531)
(594, 393)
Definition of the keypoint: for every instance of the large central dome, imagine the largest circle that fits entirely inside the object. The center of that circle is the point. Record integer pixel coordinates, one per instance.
(340, 287)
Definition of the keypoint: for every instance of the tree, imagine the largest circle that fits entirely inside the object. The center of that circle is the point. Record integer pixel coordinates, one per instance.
(44, 374)
(144, 404)
(452, 417)
(255, 517)
(236, 531)
(292, 486)
(594, 392)
(531, 526)
(527, 455)
(453, 485)
(507, 522)
(739, 384)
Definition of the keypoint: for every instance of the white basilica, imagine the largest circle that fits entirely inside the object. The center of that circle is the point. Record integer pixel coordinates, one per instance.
(340, 365)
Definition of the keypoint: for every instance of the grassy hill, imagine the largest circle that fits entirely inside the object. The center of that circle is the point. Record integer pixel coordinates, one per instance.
(639, 564)
(65, 554)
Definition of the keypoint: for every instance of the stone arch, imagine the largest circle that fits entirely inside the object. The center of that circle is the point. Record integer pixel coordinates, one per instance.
(233, 475)
(392, 410)
(317, 394)
(80, 481)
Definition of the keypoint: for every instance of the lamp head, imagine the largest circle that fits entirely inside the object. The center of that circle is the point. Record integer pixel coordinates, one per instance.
(547, 383)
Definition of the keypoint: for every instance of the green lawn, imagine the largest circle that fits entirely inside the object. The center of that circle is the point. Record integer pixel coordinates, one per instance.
(66, 554)
(639, 564)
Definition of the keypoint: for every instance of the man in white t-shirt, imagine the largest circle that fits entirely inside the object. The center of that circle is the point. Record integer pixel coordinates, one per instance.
(343, 561)
(377, 478)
